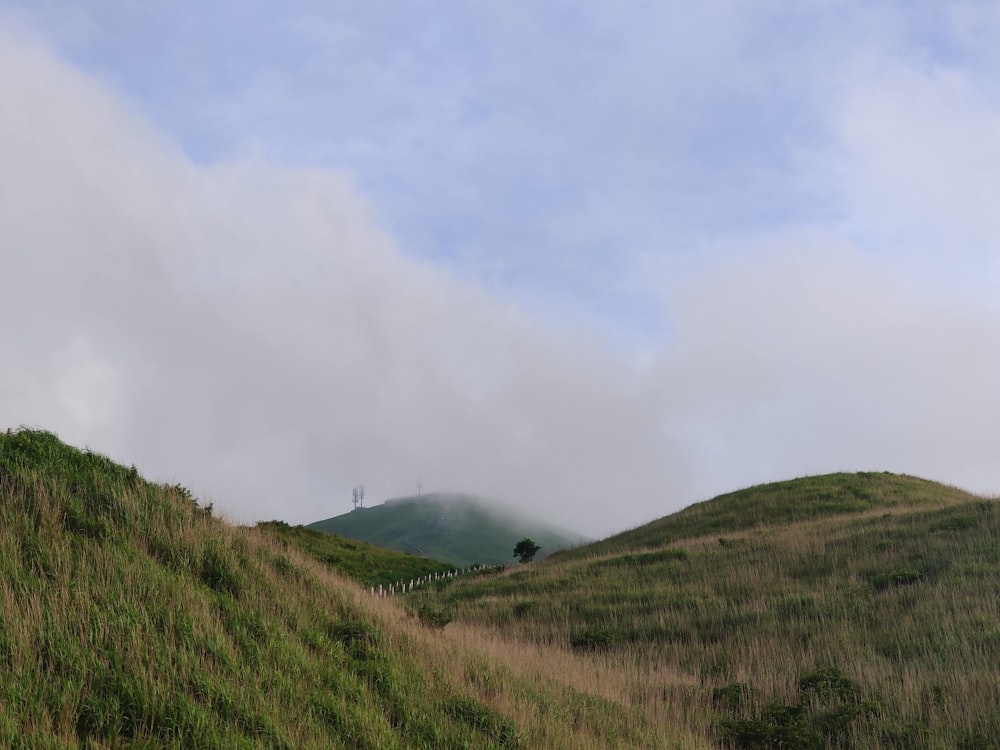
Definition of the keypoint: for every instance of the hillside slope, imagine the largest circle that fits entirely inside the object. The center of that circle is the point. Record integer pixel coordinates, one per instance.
(782, 503)
(841, 611)
(456, 529)
(365, 563)
(130, 617)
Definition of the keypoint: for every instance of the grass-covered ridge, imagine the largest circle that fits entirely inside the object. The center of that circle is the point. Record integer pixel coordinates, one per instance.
(842, 611)
(130, 617)
(782, 503)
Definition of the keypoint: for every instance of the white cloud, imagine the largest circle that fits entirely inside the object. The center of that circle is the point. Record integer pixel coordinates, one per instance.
(810, 356)
(247, 329)
(252, 331)
(920, 153)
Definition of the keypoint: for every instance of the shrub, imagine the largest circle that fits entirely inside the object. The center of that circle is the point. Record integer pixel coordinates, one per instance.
(826, 682)
(359, 639)
(957, 522)
(882, 580)
(734, 697)
(595, 639)
(828, 704)
(217, 574)
(476, 715)
(432, 616)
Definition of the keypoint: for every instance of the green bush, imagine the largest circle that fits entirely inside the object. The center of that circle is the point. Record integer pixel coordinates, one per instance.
(882, 580)
(217, 573)
(433, 616)
(479, 717)
(956, 522)
(826, 683)
(828, 705)
(595, 639)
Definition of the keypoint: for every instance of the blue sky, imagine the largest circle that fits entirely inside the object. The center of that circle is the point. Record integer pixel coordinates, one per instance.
(538, 147)
(545, 148)
(758, 238)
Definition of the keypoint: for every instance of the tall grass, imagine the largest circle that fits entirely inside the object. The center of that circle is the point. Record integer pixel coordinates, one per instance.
(130, 617)
(363, 562)
(846, 611)
(869, 622)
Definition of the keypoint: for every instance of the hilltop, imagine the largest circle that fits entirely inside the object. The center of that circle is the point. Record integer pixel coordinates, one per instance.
(458, 529)
(783, 503)
(848, 610)
(131, 617)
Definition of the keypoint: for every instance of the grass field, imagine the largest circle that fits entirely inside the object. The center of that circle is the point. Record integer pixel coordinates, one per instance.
(846, 611)
(131, 618)
(841, 611)
(365, 563)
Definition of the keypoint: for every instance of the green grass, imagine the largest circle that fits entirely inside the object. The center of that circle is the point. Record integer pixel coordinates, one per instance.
(781, 503)
(130, 617)
(850, 611)
(841, 611)
(457, 529)
(365, 563)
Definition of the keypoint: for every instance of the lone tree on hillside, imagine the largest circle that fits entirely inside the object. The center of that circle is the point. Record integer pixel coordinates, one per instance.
(359, 496)
(526, 549)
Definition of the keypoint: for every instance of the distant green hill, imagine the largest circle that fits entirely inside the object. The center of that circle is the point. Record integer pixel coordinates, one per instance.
(458, 529)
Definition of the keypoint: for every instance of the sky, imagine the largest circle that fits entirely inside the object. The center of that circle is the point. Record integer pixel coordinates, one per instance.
(596, 260)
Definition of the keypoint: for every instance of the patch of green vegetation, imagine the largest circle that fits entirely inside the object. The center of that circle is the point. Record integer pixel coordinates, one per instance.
(595, 639)
(828, 705)
(478, 716)
(880, 580)
(365, 563)
(781, 503)
(428, 608)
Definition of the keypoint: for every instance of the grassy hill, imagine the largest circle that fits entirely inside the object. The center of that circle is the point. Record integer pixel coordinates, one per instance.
(458, 529)
(363, 562)
(850, 610)
(783, 503)
(130, 617)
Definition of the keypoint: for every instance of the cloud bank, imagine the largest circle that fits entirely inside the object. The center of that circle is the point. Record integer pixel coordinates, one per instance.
(248, 330)
(253, 331)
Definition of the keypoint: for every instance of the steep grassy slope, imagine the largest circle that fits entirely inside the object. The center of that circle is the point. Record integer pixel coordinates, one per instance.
(843, 611)
(363, 562)
(129, 617)
(456, 529)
